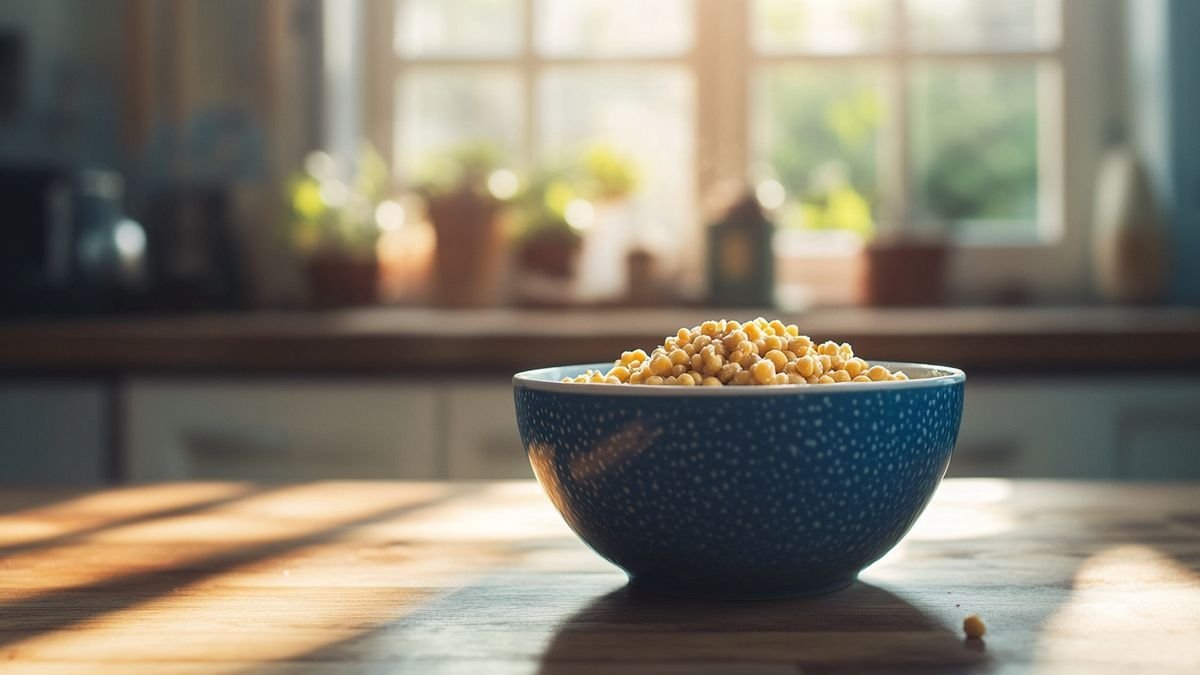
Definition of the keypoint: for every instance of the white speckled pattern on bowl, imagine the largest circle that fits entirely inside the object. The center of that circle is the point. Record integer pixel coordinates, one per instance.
(759, 491)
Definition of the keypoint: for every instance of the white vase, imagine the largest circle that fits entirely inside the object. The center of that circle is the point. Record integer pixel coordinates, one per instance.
(601, 276)
(1129, 258)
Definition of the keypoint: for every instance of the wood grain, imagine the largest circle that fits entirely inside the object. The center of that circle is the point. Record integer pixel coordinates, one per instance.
(480, 578)
(407, 341)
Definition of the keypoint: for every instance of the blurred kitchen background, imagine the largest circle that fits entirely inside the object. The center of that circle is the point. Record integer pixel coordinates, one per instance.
(298, 239)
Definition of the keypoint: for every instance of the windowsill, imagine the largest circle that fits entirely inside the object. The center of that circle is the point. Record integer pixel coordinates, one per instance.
(496, 342)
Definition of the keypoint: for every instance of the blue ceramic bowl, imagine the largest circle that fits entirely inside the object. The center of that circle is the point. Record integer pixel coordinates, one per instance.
(740, 491)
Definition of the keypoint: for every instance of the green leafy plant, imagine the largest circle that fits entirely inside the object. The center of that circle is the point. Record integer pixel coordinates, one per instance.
(334, 215)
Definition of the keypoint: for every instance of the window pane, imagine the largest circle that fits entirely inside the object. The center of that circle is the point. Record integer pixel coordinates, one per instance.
(821, 26)
(457, 28)
(438, 109)
(613, 27)
(817, 131)
(991, 25)
(974, 136)
(645, 113)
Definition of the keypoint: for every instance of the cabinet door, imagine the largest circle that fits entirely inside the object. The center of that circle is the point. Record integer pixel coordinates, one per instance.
(481, 433)
(279, 430)
(52, 432)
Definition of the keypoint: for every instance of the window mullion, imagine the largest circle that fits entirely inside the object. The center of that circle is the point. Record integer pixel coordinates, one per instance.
(529, 74)
(897, 209)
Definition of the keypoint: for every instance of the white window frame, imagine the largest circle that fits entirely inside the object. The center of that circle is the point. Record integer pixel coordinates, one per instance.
(1070, 88)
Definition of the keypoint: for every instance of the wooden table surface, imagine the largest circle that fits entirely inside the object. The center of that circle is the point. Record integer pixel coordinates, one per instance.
(485, 578)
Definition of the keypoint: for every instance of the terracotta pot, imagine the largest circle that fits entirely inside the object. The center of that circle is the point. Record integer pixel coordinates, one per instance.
(905, 273)
(469, 250)
(341, 281)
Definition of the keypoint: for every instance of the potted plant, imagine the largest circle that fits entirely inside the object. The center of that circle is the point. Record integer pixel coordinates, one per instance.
(547, 247)
(334, 228)
(465, 207)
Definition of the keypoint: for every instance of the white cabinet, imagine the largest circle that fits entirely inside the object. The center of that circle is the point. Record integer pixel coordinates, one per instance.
(481, 432)
(53, 431)
(309, 429)
(280, 429)
(1080, 427)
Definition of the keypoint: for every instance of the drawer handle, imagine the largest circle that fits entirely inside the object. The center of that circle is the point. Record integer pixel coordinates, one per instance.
(235, 443)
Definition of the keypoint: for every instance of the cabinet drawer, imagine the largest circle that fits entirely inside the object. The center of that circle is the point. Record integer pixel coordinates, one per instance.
(481, 434)
(279, 430)
(53, 432)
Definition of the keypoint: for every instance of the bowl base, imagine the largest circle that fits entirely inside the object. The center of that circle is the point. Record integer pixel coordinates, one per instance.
(660, 587)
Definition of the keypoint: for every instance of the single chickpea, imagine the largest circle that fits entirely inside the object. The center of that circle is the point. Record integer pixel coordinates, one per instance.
(813, 379)
(742, 378)
(974, 627)
(696, 376)
(671, 381)
(899, 375)
(792, 330)
(777, 328)
(806, 365)
(829, 347)
(841, 376)
(826, 379)
(764, 371)
(670, 345)
(678, 356)
(837, 362)
(780, 378)
(637, 377)
(701, 341)
(826, 362)
(747, 347)
(748, 360)
(640, 355)
(660, 365)
(735, 356)
(878, 373)
(679, 369)
(689, 348)
(762, 323)
(612, 379)
(732, 325)
(846, 350)
(861, 378)
(697, 361)
(799, 345)
(818, 367)
(619, 372)
(774, 342)
(711, 382)
(727, 371)
(709, 328)
(712, 364)
(684, 336)
(596, 377)
(796, 379)
(855, 366)
(753, 330)
(761, 343)
(626, 358)
(777, 358)
(734, 338)
(686, 380)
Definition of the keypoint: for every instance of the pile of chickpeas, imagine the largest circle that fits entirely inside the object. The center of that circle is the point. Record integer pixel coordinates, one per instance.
(730, 353)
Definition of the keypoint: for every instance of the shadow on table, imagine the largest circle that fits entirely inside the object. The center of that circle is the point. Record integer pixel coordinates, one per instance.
(861, 627)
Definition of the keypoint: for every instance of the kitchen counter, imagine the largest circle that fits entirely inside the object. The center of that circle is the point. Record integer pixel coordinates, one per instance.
(501, 341)
(485, 577)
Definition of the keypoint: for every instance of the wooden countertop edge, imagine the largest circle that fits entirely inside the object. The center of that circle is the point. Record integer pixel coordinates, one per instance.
(403, 342)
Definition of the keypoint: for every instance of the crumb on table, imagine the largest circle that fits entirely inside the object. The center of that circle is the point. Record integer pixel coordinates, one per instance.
(973, 626)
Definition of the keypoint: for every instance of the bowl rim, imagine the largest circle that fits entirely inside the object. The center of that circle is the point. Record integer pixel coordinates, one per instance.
(538, 379)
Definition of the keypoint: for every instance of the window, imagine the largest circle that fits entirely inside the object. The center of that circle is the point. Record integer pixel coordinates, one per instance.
(859, 116)
(543, 80)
